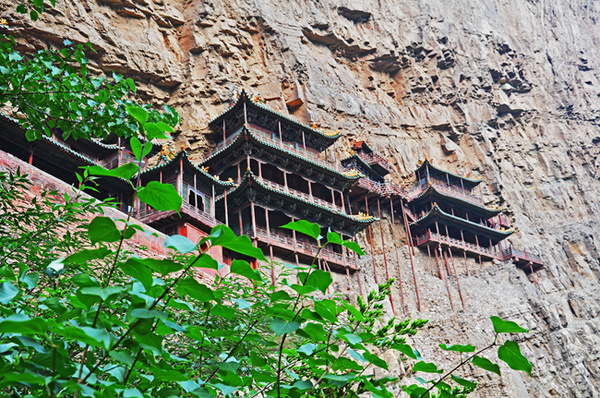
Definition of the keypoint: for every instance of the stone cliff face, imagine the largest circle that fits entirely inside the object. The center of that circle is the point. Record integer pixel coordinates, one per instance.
(508, 90)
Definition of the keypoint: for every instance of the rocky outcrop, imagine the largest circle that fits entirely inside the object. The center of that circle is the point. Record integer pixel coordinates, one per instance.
(508, 90)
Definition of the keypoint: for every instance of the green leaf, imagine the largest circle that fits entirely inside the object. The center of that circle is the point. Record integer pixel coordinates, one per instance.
(457, 347)
(375, 360)
(83, 280)
(31, 280)
(165, 127)
(464, 382)
(139, 114)
(334, 237)
(127, 171)
(137, 148)
(485, 364)
(510, 353)
(407, 350)
(103, 229)
(163, 197)
(163, 267)
(138, 271)
(22, 324)
(92, 336)
(180, 243)
(502, 326)
(426, 367)
(229, 366)
(319, 279)
(8, 291)
(222, 235)
(143, 313)
(85, 255)
(307, 349)
(131, 84)
(281, 326)
(153, 131)
(190, 287)
(103, 293)
(243, 268)
(354, 311)
(305, 227)
(354, 247)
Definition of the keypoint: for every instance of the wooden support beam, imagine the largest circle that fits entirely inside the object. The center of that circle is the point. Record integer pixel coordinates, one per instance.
(225, 202)
(371, 243)
(411, 252)
(462, 300)
(387, 272)
(442, 257)
(397, 258)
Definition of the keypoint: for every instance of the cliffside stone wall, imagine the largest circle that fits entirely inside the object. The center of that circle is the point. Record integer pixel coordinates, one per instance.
(507, 90)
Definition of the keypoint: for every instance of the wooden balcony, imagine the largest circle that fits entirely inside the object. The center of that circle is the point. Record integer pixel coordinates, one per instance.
(434, 239)
(375, 160)
(300, 194)
(301, 246)
(381, 188)
(148, 215)
(450, 190)
(523, 259)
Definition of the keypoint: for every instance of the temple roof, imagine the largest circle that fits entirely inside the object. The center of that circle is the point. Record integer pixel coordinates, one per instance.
(356, 156)
(250, 181)
(246, 134)
(329, 137)
(433, 190)
(358, 145)
(470, 182)
(438, 214)
(187, 163)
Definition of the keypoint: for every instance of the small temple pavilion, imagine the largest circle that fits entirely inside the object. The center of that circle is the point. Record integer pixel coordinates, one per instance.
(446, 217)
(281, 176)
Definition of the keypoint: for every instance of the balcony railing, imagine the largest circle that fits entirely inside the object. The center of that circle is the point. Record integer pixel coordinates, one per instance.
(447, 189)
(148, 215)
(521, 254)
(459, 244)
(300, 245)
(300, 194)
(382, 188)
(373, 158)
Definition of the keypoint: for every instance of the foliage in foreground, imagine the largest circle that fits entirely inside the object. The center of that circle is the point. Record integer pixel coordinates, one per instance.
(81, 316)
(102, 322)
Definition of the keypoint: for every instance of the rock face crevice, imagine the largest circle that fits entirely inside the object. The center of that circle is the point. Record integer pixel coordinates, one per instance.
(506, 90)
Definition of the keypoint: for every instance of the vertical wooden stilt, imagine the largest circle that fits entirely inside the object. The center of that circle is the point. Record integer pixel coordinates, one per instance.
(437, 262)
(442, 257)
(462, 300)
(533, 274)
(387, 272)
(466, 265)
(371, 243)
(360, 288)
(272, 265)
(411, 252)
(225, 202)
(397, 258)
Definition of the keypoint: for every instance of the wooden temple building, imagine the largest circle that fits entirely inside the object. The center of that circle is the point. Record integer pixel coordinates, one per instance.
(266, 170)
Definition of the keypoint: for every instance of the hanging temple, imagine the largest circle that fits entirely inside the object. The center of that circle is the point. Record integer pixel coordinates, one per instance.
(267, 169)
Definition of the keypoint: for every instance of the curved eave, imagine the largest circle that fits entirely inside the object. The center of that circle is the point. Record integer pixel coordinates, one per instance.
(244, 97)
(472, 181)
(436, 212)
(355, 156)
(207, 177)
(250, 178)
(246, 132)
(432, 190)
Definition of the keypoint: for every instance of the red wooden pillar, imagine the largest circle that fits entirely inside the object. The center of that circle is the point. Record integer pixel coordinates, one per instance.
(397, 257)
(387, 272)
(411, 252)
(462, 300)
(443, 257)
(371, 243)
